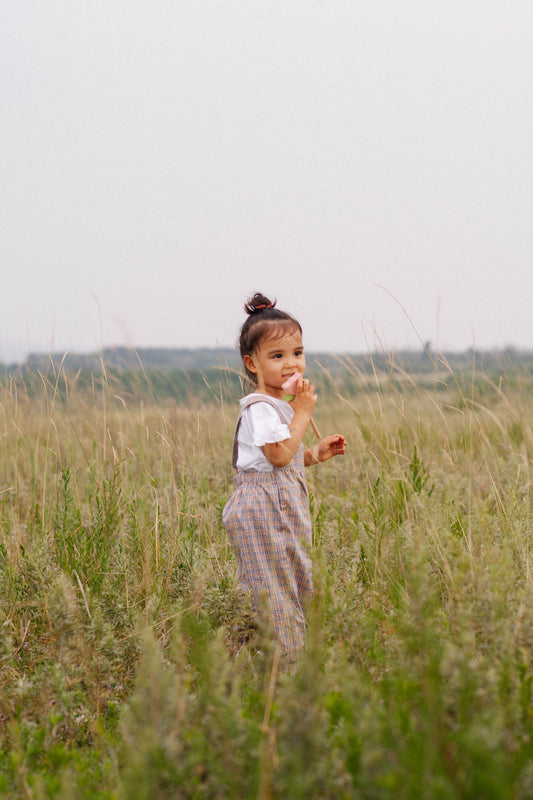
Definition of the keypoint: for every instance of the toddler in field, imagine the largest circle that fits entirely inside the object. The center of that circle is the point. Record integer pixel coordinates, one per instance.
(267, 518)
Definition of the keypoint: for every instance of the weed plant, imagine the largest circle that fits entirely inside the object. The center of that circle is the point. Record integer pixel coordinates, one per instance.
(129, 667)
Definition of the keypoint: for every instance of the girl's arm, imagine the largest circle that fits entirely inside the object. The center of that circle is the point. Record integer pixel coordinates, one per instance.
(334, 445)
(281, 453)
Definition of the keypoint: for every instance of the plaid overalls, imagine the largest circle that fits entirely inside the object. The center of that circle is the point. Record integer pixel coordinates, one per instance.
(268, 525)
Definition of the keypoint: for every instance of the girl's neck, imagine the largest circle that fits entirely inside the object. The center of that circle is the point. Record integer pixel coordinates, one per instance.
(263, 390)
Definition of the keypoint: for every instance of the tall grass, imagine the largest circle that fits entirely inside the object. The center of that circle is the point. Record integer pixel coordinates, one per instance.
(128, 666)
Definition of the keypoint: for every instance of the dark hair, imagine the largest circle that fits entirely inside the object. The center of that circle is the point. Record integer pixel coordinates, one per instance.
(264, 320)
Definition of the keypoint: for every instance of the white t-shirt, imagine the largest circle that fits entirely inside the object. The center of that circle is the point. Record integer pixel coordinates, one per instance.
(260, 425)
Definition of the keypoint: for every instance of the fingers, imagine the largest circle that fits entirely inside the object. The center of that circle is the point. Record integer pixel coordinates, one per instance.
(305, 387)
(336, 443)
(306, 391)
(335, 437)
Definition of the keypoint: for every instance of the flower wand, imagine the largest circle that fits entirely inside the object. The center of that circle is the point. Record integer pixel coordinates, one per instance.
(290, 388)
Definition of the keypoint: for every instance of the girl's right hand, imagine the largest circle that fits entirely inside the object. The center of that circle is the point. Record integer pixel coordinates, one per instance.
(305, 399)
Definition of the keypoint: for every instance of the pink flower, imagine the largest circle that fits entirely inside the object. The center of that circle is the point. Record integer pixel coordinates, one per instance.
(290, 386)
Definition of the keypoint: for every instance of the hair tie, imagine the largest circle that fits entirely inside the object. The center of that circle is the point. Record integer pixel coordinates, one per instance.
(260, 308)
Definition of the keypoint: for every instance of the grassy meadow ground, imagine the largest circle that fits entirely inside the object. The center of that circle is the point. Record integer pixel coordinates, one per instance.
(122, 669)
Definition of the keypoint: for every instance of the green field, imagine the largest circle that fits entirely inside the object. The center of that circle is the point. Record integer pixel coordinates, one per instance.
(123, 672)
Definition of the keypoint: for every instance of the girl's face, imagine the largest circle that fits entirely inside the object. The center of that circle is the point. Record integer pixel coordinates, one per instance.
(275, 359)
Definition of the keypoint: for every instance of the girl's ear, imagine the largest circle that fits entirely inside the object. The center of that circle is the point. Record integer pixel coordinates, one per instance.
(249, 363)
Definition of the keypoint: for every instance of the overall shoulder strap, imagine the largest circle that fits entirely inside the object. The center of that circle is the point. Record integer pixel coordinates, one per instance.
(251, 400)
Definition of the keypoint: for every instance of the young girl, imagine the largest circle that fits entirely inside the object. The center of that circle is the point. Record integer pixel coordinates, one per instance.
(267, 518)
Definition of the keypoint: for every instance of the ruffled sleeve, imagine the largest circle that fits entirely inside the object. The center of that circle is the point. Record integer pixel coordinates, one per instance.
(266, 424)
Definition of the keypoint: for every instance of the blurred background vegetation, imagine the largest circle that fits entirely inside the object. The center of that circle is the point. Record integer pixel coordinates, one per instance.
(204, 374)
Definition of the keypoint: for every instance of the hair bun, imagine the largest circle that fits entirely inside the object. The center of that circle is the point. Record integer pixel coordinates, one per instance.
(258, 303)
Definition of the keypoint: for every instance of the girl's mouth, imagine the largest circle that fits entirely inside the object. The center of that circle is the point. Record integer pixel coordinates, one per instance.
(291, 383)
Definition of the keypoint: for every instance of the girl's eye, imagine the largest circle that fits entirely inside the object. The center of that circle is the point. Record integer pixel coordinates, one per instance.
(298, 352)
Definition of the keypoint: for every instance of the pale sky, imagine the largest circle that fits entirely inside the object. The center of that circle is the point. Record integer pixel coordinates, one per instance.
(161, 160)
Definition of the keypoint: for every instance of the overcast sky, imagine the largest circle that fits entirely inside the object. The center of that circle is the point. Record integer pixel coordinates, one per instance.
(370, 163)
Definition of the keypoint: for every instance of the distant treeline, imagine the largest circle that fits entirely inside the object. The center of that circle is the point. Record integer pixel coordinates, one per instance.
(126, 358)
(203, 375)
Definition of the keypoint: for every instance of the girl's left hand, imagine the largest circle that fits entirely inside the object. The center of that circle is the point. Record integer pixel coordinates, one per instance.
(334, 445)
